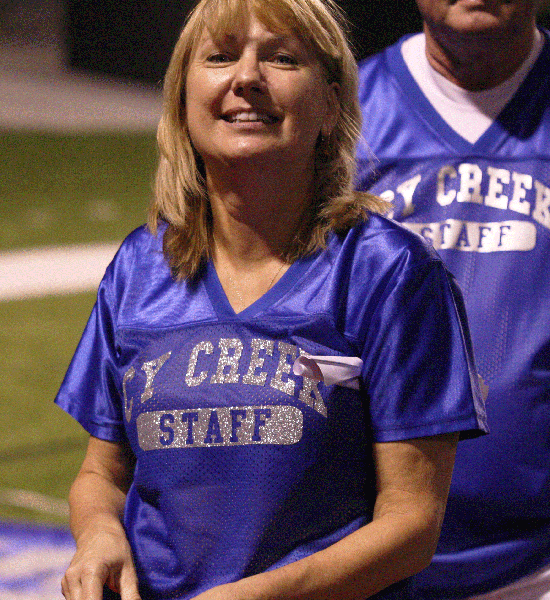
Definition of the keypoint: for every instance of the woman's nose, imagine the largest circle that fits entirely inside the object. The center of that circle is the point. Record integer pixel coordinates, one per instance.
(248, 75)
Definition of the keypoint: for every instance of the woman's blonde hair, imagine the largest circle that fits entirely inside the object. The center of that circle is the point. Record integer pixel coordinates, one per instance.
(181, 198)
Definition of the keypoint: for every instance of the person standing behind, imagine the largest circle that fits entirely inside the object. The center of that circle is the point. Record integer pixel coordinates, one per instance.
(462, 150)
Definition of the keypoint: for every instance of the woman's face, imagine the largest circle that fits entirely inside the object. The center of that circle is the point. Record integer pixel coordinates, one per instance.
(257, 94)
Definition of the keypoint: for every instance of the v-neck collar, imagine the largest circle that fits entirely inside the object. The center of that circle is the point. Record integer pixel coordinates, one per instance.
(223, 307)
(497, 131)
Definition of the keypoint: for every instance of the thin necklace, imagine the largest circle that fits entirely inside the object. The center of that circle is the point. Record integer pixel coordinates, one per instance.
(236, 287)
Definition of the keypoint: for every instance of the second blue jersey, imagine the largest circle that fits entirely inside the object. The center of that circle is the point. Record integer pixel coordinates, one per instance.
(485, 208)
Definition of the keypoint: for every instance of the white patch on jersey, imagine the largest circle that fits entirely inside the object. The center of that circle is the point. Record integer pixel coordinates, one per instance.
(468, 236)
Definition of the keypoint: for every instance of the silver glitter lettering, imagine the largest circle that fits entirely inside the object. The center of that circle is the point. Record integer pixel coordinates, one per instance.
(312, 397)
(220, 427)
(128, 376)
(228, 360)
(190, 379)
(257, 362)
(283, 368)
(151, 368)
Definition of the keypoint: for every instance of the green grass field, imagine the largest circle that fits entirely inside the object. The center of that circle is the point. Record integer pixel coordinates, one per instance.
(65, 189)
(56, 190)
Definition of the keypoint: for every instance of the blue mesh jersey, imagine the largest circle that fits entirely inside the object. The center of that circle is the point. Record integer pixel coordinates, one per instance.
(243, 466)
(485, 207)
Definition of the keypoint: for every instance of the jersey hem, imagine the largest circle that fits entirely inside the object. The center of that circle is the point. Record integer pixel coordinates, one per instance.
(467, 428)
(108, 433)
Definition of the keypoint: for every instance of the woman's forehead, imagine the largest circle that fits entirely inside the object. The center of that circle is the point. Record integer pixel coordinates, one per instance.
(235, 34)
(234, 20)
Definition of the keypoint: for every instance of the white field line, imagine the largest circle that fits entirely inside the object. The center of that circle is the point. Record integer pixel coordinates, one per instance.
(53, 271)
(34, 501)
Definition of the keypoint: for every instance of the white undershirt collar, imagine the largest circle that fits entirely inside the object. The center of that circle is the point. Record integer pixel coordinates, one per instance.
(470, 114)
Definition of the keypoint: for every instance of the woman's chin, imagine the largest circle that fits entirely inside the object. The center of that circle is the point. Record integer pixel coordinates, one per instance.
(250, 155)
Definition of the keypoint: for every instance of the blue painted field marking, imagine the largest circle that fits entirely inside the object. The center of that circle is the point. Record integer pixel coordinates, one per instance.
(33, 559)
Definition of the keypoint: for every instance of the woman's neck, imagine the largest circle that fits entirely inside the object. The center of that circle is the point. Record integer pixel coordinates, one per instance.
(255, 220)
(257, 212)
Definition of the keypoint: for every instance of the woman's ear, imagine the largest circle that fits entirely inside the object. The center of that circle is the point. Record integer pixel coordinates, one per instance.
(333, 109)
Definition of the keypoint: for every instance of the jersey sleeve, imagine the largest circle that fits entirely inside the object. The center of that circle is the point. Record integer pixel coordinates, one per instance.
(418, 364)
(90, 390)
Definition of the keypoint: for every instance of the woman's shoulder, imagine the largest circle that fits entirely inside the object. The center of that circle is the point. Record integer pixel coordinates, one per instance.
(142, 241)
(141, 246)
(377, 256)
(139, 259)
(384, 237)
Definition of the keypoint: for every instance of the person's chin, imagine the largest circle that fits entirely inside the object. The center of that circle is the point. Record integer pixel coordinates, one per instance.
(468, 19)
(249, 154)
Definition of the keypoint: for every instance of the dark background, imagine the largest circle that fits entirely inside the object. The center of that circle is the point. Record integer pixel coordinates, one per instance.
(134, 40)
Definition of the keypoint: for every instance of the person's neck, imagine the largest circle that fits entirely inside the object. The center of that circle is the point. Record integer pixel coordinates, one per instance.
(258, 212)
(477, 62)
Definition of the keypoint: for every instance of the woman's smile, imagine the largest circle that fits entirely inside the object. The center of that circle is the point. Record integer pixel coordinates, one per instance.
(252, 119)
(249, 117)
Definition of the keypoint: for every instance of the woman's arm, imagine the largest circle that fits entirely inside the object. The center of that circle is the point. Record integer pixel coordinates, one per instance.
(413, 479)
(96, 499)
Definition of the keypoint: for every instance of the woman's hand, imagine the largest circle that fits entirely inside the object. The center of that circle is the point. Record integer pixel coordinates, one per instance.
(103, 557)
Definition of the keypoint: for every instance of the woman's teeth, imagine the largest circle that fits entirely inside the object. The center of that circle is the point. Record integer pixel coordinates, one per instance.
(250, 116)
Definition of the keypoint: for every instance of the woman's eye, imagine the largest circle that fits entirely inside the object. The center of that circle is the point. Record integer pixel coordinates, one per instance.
(285, 59)
(219, 58)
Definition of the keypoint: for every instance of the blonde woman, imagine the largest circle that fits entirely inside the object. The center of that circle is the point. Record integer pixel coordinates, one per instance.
(274, 376)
